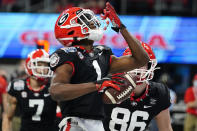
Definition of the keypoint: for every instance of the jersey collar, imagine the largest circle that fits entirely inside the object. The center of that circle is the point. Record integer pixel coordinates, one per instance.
(30, 88)
(141, 97)
(82, 48)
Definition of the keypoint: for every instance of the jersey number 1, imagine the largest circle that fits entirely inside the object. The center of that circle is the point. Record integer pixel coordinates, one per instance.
(97, 68)
(40, 104)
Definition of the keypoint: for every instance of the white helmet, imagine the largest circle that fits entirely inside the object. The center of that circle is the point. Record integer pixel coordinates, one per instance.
(32, 64)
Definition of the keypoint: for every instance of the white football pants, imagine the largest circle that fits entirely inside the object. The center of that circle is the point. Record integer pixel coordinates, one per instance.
(80, 124)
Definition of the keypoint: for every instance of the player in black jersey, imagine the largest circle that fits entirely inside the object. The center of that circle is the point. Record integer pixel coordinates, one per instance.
(38, 110)
(148, 100)
(79, 66)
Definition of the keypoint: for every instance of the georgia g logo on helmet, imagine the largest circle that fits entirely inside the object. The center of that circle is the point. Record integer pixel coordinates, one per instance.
(76, 24)
(63, 19)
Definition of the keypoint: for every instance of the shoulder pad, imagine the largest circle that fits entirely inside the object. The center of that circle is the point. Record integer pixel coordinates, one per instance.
(19, 85)
(102, 47)
(160, 88)
(9, 87)
(155, 88)
(155, 84)
(54, 59)
(69, 49)
(62, 55)
(164, 95)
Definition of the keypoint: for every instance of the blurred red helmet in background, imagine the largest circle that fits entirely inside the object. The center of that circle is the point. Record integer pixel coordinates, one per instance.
(144, 74)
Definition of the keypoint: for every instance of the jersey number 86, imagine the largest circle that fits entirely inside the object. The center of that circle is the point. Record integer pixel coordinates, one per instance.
(126, 114)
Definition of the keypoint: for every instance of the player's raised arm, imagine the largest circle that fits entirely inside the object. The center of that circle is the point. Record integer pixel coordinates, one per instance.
(8, 113)
(139, 56)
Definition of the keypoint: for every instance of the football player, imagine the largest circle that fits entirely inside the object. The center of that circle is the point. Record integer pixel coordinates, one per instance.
(38, 110)
(79, 66)
(148, 100)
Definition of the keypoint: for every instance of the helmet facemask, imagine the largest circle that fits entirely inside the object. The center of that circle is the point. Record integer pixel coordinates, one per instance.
(40, 68)
(85, 17)
(37, 65)
(145, 73)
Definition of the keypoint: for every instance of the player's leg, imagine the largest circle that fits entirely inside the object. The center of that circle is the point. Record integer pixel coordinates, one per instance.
(70, 124)
(80, 124)
(189, 122)
(93, 125)
(69, 127)
(195, 123)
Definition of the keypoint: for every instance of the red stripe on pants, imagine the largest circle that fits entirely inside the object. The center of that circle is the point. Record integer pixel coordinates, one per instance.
(68, 126)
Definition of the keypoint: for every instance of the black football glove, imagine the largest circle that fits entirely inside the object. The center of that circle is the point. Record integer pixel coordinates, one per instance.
(115, 81)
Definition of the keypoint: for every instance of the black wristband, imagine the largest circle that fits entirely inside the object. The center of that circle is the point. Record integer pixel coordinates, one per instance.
(117, 29)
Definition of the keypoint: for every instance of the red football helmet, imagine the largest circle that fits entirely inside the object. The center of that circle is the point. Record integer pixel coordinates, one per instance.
(34, 64)
(144, 73)
(73, 24)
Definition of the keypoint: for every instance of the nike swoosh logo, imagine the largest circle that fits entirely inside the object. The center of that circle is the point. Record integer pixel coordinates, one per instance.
(147, 106)
(100, 53)
(45, 95)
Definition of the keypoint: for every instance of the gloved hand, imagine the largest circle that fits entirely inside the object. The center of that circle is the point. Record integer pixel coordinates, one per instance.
(110, 12)
(110, 81)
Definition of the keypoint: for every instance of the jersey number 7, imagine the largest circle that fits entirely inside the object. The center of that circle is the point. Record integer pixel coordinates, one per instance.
(40, 104)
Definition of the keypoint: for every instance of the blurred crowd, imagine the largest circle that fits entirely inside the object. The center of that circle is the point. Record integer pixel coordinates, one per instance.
(142, 7)
(5, 78)
(55, 6)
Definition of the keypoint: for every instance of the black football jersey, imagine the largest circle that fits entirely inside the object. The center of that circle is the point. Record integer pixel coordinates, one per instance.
(38, 110)
(136, 116)
(87, 67)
